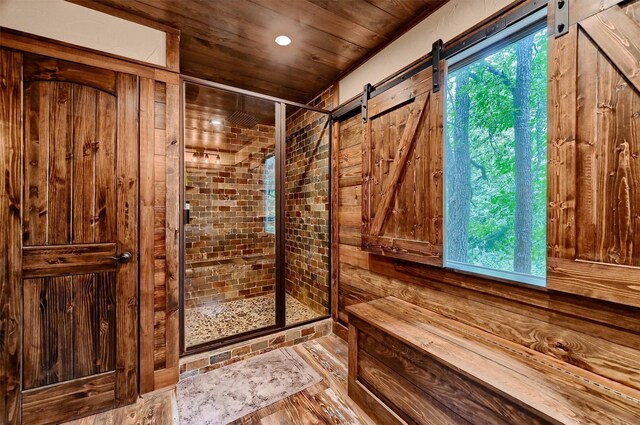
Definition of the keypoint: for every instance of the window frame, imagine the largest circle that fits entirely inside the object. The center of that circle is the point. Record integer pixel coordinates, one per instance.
(266, 194)
(526, 26)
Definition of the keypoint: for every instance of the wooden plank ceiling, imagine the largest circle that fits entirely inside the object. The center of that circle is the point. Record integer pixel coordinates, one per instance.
(232, 41)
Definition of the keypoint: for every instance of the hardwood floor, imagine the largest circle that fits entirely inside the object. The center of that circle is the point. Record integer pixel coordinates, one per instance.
(325, 403)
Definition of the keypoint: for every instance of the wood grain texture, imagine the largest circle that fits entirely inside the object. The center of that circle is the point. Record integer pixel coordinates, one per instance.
(542, 388)
(105, 157)
(599, 349)
(69, 135)
(43, 68)
(577, 329)
(72, 320)
(67, 259)
(160, 232)
(159, 314)
(53, 404)
(147, 239)
(444, 385)
(11, 236)
(617, 35)
(396, 169)
(401, 173)
(172, 226)
(413, 404)
(127, 227)
(42, 46)
(335, 216)
(173, 50)
(329, 38)
(594, 182)
(59, 183)
(77, 109)
(74, 117)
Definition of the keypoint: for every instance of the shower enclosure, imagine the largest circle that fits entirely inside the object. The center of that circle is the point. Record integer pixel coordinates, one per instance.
(256, 220)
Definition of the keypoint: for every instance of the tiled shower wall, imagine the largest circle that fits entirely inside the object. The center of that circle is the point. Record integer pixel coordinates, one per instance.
(307, 205)
(229, 255)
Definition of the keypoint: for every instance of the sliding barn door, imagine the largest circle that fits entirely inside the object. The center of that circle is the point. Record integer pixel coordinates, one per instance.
(402, 172)
(78, 284)
(594, 152)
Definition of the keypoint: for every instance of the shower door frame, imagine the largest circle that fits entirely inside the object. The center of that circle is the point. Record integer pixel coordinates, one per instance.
(280, 106)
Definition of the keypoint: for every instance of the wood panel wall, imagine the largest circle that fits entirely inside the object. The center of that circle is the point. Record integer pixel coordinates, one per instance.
(159, 328)
(595, 335)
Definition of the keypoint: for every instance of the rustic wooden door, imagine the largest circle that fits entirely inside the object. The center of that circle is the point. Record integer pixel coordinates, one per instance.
(80, 232)
(594, 151)
(402, 172)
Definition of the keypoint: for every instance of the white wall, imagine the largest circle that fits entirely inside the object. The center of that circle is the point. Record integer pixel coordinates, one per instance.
(85, 27)
(452, 19)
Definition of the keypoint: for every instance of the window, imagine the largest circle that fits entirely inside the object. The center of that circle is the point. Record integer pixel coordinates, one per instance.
(269, 179)
(496, 156)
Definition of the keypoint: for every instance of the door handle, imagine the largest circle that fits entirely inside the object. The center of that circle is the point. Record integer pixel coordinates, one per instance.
(125, 257)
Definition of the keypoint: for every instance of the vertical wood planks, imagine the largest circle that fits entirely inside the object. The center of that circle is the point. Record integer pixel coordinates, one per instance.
(434, 189)
(86, 328)
(562, 145)
(11, 235)
(35, 370)
(105, 156)
(617, 192)
(127, 228)
(172, 226)
(585, 155)
(593, 181)
(335, 217)
(402, 173)
(36, 152)
(160, 326)
(72, 328)
(84, 136)
(60, 162)
(405, 148)
(58, 330)
(147, 272)
(173, 50)
(160, 237)
(105, 313)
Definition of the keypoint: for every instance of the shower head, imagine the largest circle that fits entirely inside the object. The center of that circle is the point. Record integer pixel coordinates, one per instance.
(240, 118)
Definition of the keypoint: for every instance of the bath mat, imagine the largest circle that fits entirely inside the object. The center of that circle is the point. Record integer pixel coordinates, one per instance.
(234, 391)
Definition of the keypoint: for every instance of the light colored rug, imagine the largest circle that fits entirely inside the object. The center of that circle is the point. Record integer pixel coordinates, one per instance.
(234, 391)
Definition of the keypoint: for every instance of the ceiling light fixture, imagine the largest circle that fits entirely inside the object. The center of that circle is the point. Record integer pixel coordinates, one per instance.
(283, 40)
(216, 121)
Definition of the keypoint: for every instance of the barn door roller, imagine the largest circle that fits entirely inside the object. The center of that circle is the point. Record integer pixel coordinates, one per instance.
(436, 54)
(562, 17)
(366, 95)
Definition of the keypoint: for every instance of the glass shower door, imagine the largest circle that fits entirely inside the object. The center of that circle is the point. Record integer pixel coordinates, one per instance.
(230, 228)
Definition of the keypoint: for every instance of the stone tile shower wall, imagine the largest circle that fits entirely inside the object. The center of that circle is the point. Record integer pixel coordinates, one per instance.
(307, 205)
(229, 255)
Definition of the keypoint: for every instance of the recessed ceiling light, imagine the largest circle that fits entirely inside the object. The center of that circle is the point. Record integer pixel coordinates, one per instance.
(283, 40)
(216, 121)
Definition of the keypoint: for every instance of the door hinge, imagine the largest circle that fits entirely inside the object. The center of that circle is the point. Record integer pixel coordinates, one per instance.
(366, 95)
(562, 17)
(436, 54)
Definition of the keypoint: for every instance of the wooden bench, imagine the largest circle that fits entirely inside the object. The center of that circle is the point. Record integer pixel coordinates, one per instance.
(409, 365)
